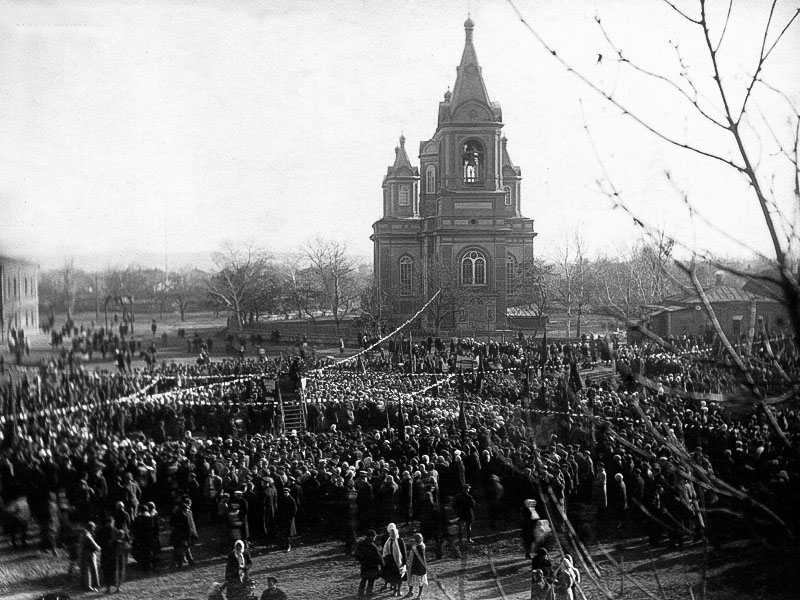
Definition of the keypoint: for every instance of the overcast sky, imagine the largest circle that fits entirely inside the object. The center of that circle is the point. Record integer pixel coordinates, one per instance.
(272, 122)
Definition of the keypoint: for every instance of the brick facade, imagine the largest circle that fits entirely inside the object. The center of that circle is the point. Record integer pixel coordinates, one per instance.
(460, 209)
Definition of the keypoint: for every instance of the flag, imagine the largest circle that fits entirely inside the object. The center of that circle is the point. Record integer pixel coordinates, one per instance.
(388, 422)
(544, 353)
(610, 347)
(574, 375)
(479, 379)
(402, 422)
(411, 357)
(462, 418)
(280, 404)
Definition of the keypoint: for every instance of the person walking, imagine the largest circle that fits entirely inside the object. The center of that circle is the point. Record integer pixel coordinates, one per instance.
(284, 518)
(417, 567)
(369, 557)
(464, 506)
(184, 534)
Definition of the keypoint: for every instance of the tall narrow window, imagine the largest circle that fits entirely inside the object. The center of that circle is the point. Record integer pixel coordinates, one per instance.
(430, 180)
(405, 199)
(473, 268)
(406, 275)
(507, 191)
(511, 276)
(472, 163)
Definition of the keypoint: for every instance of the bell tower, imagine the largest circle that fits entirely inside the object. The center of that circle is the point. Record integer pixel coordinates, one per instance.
(461, 210)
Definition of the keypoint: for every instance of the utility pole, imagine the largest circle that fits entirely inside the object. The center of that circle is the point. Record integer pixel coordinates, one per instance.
(96, 300)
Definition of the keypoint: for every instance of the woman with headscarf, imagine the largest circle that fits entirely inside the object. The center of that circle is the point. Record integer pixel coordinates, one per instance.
(394, 559)
(236, 568)
(567, 578)
(528, 519)
(417, 567)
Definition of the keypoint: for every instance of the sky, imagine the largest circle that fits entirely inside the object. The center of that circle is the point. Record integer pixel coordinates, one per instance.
(131, 130)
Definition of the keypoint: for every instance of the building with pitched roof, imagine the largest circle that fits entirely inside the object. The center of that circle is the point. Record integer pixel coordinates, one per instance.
(736, 310)
(458, 212)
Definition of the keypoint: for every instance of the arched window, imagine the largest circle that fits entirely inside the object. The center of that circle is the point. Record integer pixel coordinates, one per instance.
(507, 191)
(511, 276)
(430, 180)
(473, 268)
(406, 276)
(404, 196)
(472, 162)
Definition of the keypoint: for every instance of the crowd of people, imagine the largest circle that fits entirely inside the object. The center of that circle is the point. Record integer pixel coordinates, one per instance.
(199, 450)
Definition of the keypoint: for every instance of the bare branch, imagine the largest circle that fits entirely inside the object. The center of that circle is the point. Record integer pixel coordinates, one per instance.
(725, 26)
(693, 101)
(622, 107)
(761, 56)
(681, 13)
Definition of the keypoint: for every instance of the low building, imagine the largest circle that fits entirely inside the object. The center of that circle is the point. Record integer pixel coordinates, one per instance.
(19, 295)
(735, 308)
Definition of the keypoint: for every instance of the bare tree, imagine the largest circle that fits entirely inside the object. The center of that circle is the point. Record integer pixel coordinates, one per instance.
(727, 104)
(570, 285)
(184, 292)
(453, 297)
(68, 286)
(375, 305)
(238, 279)
(534, 287)
(333, 272)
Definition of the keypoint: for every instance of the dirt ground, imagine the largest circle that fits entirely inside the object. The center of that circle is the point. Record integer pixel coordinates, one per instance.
(493, 568)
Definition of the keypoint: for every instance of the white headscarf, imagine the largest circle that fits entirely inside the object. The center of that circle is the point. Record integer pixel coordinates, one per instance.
(392, 546)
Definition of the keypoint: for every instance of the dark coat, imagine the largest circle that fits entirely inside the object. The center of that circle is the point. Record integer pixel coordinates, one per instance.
(284, 518)
(369, 557)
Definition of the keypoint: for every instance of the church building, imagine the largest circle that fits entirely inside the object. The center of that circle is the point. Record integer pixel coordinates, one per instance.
(455, 220)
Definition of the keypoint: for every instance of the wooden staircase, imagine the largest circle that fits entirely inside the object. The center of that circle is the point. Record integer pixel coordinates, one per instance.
(293, 417)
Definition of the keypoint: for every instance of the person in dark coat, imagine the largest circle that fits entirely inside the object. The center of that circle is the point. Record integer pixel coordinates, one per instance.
(284, 518)
(404, 498)
(184, 535)
(369, 557)
(464, 506)
(270, 506)
(243, 510)
(542, 563)
(107, 540)
(142, 533)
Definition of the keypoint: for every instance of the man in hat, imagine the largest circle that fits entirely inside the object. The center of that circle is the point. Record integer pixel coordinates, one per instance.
(369, 557)
(464, 506)
(284, 518)
(272, 592)
(184, 534)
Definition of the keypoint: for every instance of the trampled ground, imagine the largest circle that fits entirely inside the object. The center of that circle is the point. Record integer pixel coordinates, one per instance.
(494, 568)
